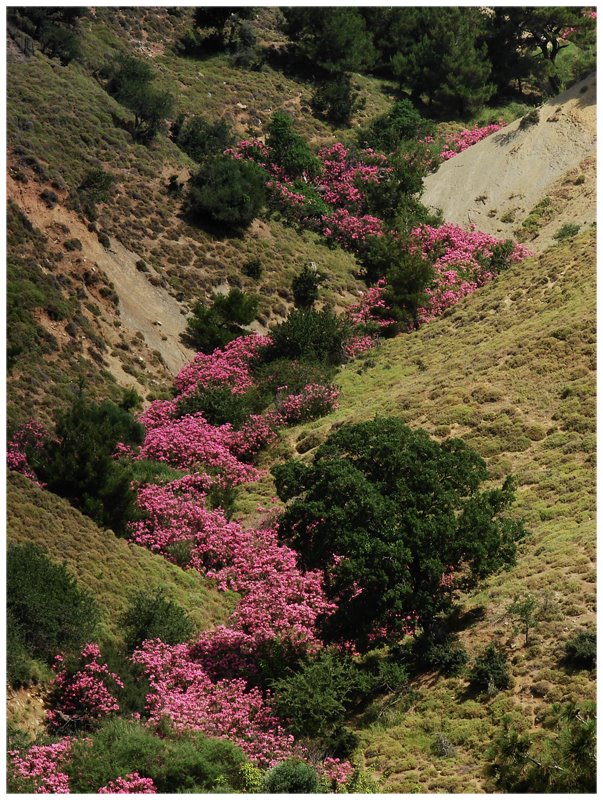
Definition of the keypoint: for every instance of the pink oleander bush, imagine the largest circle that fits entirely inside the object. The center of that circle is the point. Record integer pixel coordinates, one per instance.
(130, 784)
(40, 767)
(85, 696)
(192, 443)
(349, 230)
(182, 691)
(461, 264)
(315, 400)
(459, 141)
(29, 435)
(229, 366)
(278, 599)
(336, 773)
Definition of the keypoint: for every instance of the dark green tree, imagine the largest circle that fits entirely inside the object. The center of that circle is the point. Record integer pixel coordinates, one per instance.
(561, 760)
(51, 612)
(305, 286)
(335, 39)
(337, 100)
(228, 192)
(447, 60)
(543, 28)
(77, 462)
(200, 138)
(216, 325)
(399, 510)
(489, 673)
(131, 83)
(288, 149)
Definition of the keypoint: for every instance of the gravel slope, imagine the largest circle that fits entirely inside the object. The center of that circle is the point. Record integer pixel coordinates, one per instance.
(507, 174)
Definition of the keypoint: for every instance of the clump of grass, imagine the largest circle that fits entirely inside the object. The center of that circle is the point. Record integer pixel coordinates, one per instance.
(567, 231)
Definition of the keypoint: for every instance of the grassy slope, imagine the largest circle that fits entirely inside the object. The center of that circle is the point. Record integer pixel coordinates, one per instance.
(110, 568)
(511, 371)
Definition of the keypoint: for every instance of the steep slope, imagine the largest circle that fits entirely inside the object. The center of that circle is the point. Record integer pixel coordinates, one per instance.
(511, 370)
(497, 183)
(111, 569)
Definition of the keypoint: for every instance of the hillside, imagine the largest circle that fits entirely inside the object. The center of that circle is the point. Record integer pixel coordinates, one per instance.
(499, 182)
(111, 569)
(159, 160)
(511, 370)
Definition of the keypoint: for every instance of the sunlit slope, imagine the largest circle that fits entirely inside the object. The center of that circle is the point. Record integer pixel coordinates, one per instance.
(110, 568)
(512, 371)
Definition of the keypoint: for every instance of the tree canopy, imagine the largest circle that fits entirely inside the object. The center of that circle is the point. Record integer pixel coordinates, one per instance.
(389, 515)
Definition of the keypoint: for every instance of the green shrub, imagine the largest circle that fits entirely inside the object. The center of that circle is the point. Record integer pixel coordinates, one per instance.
(442, 651)
(219, 405)
(152, 616)
(292, 777)
(48, 612)
(227, 192)
(288, 149)
(489, 672)
(253, 269)
(305, 287)
(308, 335)
(190, 763)
(402, 123)
(566, 231)
(200, 138)
(131, 83)
(337, 100)
(314, 700)
(77, 462)
(581, 649)
(216, 325)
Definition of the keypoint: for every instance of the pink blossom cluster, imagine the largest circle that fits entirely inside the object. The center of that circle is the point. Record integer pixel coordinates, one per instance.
(250, 150)
(42, 765)
(460, 264)
(190, 442)
(260, 430)
(226, 709)
(342, 178)
(336, 772)
(348, 230)
(227, 366)
(84, 696)
(460, 140)
(133, 783)
(29, 435)
(278, 599)
(368, 312)
(357, 345)
(315, 400)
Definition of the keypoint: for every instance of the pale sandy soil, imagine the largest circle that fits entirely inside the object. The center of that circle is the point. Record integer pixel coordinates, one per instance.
(507, 174)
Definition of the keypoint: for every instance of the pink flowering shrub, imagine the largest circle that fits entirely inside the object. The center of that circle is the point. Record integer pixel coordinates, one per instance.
(29, 435)
(192, 443)
(315, 400)
(459, 141)
(228, 366)
(278, 599)
(226, 709)
(260, 430)
(41, 767)
(372, 310)
(349, 230)
(81, 698)
(461, 264)
(130, 784)
(336, 773)
(343, 177)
